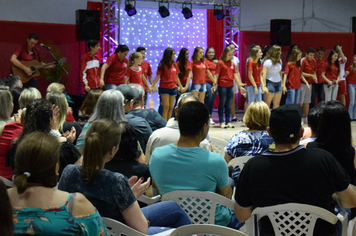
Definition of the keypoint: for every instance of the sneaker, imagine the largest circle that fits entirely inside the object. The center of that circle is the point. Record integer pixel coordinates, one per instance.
(211, 122)
(234, 119)
(223, 126)
(230, 125)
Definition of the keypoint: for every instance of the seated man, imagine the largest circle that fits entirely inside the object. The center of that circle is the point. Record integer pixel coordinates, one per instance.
(140, 125)
(170, 133)
(291, 174)
(186, 166)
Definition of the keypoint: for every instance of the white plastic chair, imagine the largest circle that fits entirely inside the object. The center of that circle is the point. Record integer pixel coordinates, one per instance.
(8, 183)
(200, 206)
(297, 219)
(239, 161)
(116, 228)
(218, 145)
(206, 229)
(149, 200)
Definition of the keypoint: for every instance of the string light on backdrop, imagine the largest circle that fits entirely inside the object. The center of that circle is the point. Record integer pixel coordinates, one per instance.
(147, 29)
(163, 10)
(186, 11)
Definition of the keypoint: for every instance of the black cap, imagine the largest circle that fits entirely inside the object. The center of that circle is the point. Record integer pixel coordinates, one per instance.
(128, 92)
(285, 121)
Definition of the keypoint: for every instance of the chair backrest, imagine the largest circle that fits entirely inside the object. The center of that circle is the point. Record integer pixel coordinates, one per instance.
(218, 145)
(116, 228)
(239, 161)
(206, 229)
(200, 206)
(293, 218)
(8, 183)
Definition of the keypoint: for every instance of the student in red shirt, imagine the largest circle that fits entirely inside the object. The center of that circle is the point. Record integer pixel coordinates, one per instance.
(90, 67)
(331, 76)
(225, 75)
(254, 68)
(309, 73)
(351, 76)
(168, 72)
(294, 74)
(200, 71)
(114, 70)
(146, 69)
(318, 87)
(211, 87)
(134, 73)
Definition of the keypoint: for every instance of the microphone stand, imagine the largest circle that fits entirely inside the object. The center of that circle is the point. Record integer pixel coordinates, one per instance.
(57, 61)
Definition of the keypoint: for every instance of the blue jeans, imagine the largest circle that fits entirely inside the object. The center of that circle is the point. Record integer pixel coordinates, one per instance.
(317, 92)
(209, 98)
(352, 105)
(252, 97)
(293, 96)
(225, 98)
(164, 216)
(30, 83)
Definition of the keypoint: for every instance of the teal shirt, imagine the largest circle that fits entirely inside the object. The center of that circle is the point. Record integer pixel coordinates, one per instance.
(176, 168)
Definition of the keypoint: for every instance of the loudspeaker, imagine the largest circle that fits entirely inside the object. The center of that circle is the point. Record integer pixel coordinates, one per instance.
(280, 32)
(353, 22)
(88, 24)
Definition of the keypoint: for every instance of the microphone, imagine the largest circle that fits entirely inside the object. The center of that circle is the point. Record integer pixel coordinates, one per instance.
(42, 45)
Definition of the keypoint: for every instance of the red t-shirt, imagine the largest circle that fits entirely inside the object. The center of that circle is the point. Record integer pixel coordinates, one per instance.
(135, 75)
(352, 76)
(212, 68)
(308, 67)
(294, 74)
(188, 67)
(320, 65)
(23, 54)
(332, 73)
(199, 72)
(256, 72)
(147, 71)
(169, 77)
(226, 71)
(115, 73)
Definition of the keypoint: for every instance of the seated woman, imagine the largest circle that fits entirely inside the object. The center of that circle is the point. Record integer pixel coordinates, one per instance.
(38, 208)
(39, 117)
(255, 140)
(88, 105)
(110, 192)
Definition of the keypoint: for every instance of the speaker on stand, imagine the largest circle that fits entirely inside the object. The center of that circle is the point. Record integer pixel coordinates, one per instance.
(88, 24)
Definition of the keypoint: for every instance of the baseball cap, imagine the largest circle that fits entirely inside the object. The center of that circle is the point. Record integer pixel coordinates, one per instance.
(128, 92)
(285, 121)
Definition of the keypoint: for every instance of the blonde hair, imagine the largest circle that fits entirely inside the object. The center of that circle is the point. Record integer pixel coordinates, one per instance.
(132, 57)
(294, 56)
(59, 99)
(28, 95)
(257, 116)
(224, 54)
(5, 105)
(56, 87)
(253, 55)
(274, 54)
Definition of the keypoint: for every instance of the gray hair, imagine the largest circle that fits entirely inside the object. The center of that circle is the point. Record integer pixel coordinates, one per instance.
(28, 95)
(110, 105)
(5, 104)
(141, 92)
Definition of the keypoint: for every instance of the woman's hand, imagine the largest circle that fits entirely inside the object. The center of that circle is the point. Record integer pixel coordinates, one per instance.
(138, 187)
(71, 134)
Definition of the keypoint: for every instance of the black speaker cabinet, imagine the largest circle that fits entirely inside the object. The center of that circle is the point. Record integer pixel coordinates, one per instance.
(280, 32)
(88, 24)
(353, 22)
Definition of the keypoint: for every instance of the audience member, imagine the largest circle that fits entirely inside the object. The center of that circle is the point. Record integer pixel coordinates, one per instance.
(39, 117)
(170, 133)
(6, 219)
(140, 125)
(291, 174)
(255, 140)
(58, 87)
(87, 108)
(109, 191)
(13, 81)
(28, 95)
(39, 208)
(203, 170)
(154, 119)
(16, 92)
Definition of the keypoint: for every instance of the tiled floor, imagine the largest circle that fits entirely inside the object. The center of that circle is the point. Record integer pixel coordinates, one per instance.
(216, 131)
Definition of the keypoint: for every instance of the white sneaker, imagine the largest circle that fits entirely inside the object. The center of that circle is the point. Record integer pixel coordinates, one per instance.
(211, 122)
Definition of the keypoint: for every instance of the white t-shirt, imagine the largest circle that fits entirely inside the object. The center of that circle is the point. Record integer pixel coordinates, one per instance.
(273, 73)
(342, 68)
(236, 61)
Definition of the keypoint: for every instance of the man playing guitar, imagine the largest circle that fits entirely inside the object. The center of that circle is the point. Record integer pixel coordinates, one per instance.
(28, 52)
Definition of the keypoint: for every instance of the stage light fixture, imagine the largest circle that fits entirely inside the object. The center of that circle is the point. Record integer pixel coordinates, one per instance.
(219, 13)
(186, 11)
(163, 10)
(129, 8)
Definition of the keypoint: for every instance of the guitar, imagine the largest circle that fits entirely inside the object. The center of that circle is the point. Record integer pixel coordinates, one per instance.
(34, 65)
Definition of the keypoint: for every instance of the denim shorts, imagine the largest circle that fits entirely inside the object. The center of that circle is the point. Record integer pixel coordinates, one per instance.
(170, 92)
(274, 87)
(201, 88)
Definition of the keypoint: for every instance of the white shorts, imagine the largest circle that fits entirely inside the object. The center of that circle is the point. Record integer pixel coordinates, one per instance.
(305, 94)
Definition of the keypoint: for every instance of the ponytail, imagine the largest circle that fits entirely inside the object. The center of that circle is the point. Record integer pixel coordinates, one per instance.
(93, 161)
(132, 57)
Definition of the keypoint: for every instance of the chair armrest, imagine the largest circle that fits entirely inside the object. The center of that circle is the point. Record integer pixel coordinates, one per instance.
(148, 200)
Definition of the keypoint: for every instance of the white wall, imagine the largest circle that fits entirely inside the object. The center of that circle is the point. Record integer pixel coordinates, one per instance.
(329, 15)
